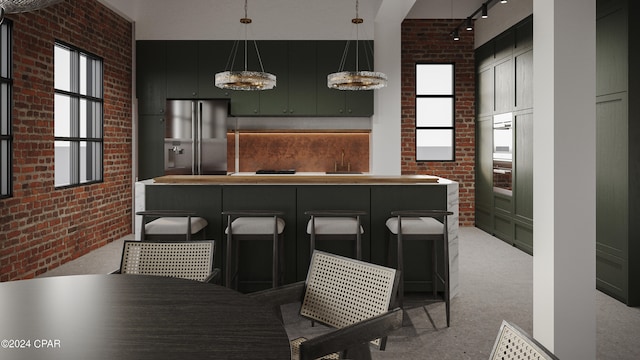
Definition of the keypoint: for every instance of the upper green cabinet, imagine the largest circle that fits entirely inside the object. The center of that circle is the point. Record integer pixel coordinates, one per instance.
(186, 69)
(294, 63)
(212, 59)
(182, 69)
(151, 76)
(332, 102)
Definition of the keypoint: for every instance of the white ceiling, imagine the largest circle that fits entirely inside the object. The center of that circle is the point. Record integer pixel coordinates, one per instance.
(272, 19)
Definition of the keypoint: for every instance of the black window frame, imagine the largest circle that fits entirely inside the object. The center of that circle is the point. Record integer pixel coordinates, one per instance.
(452, 96)
(6, 117)
(93, 165)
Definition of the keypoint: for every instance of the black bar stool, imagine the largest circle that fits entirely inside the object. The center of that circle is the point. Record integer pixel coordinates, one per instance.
(171, 224)
(335, 225)
(422, 225)
(254, 225)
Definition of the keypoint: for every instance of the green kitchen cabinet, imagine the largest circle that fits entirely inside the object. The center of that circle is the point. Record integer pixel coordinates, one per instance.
(182, 65)
(505, 86)
(210, 200)
(274, 54)
(302, 78)
(484, 174)
(213, 56)
(185, 69)
(151, 76)
(523, 181)
(246, 103)
(150, 146)
(617, 151)
(332, 102)
(294, 63)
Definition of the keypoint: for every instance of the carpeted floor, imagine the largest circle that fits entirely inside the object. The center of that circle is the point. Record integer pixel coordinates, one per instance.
(495, 284)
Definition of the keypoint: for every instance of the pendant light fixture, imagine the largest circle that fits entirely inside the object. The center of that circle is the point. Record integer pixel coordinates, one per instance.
(18, 6)
(245, 79)
(355, 80)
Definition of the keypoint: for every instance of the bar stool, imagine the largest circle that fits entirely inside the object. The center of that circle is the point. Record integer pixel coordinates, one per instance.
(169, 224)
(335, 225)
(254, 225)
(422, 225)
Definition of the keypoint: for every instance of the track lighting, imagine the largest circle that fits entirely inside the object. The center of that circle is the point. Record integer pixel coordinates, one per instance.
(455, 34)
(483, 12)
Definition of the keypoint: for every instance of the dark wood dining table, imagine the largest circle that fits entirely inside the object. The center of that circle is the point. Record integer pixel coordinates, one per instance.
(138, 317)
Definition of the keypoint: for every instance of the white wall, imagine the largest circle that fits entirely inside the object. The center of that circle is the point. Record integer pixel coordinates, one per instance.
(386, 122)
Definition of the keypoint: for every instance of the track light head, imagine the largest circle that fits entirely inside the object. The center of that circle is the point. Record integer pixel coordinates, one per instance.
(455, 34)
(468, 25)
(485, 13)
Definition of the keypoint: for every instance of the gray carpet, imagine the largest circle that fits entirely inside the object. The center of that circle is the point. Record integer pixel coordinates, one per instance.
(495, 284)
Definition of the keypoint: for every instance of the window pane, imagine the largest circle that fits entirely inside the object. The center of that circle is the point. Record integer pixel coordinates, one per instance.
(434, 79)
(83, 74)
(4, 167)
(97, 78)
(63, 166)
(4, 108)
(4, 52)
(434, 144)
(90, 161)
(90, 76)
(434, 112)
(62, 115)
(90, 119)
(62, 68)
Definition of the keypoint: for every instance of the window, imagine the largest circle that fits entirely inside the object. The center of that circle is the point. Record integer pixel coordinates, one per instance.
(435, 109)
(6, 139)
(78, 116)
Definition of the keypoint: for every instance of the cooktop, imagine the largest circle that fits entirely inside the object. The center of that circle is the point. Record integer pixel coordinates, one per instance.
(271, 171)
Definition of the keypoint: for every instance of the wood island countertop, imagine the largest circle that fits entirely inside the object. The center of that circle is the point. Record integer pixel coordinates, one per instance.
(298, 178)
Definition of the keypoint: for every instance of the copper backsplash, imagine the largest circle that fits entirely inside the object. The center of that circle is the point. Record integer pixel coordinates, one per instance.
(302, 151)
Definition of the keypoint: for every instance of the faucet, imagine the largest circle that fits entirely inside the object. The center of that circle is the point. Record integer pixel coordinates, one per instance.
(342, 163)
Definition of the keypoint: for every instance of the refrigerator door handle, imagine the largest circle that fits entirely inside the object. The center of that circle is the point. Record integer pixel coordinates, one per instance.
(194, 138)
(199, 130)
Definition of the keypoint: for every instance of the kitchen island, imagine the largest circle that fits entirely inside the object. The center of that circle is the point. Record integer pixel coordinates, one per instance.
(293, 194)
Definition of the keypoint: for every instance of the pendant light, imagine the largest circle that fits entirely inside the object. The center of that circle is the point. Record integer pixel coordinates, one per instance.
(355, 80)
(245, 79)
(18, 6)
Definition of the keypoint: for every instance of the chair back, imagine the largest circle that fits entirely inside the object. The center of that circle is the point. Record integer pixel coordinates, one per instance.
(514, 343)
(191, 260)
(341, 291)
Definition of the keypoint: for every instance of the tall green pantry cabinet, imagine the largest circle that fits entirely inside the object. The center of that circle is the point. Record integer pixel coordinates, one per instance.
(618, 150)
(504, 128)
(509, 215)
(151, 86)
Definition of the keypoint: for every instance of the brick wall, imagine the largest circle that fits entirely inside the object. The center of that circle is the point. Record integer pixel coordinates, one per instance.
(42, 227)
(428, 41)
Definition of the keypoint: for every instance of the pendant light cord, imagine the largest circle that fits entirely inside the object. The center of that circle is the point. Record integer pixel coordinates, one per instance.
(357, 36)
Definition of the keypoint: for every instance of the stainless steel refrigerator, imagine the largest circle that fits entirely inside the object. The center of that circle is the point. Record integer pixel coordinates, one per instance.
(196, 137)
